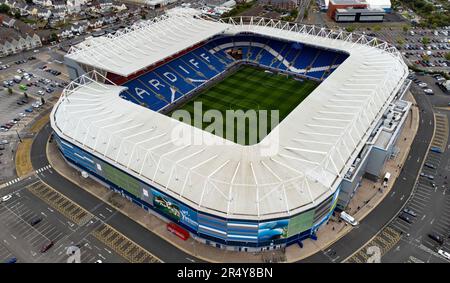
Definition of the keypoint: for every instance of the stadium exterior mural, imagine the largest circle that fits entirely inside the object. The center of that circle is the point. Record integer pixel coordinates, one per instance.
(174, 209)
(237, 232)
(300, 223)
(273, 230)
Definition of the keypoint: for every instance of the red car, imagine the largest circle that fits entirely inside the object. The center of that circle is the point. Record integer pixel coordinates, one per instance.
(47, 246)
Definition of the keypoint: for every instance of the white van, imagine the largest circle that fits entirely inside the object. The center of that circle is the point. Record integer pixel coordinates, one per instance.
(348, 218)
(17, 79)
(386, 178)
(444, 254)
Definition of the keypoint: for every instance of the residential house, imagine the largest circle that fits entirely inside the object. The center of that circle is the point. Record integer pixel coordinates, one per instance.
(66, 33)
(74, 6)
(58, 4)
(44, 13)
(8, 22)
(59, 12)
(105, 4)
(16, 43)
(78, 28)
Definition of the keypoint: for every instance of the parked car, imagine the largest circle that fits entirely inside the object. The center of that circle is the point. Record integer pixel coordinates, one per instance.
(405, 217)
(435, 237)
(428, 91)
(11, 260)
(429, 165)
(35, 221)
(47, 246)
(410, 212)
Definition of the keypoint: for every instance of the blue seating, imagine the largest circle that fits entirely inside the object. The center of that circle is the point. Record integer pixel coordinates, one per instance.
(306, 57)
(173, 80)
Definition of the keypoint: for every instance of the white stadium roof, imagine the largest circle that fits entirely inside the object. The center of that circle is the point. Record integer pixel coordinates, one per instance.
(144, 44)
(317, 141)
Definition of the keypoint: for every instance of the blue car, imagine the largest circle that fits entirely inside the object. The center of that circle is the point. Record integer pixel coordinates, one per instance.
(435, 149)
(29, 110)
(11, 260)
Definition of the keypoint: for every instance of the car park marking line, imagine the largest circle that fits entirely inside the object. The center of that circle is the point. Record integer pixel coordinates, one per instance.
(423, 190)
(442, 227)
(23, 231)
(421, 198)
(396, 226)
(445, 221)
(403, 223)
(415, 201)
(24, 222)
(416, 208)
(422, 194)
(65, 206)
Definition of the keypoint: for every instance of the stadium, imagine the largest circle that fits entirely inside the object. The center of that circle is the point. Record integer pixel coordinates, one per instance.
(338, 94)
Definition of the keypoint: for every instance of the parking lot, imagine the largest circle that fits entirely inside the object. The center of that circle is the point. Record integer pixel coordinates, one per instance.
(28, 223)
(427, 48)
(9, 109)
(425, 226)
(40, 81)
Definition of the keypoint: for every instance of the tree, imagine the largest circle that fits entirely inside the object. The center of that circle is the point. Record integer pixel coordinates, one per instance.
(405, 29)
(425, 40)
(10, 91)
(4, 9)
(53, 37)
(25, 95)
(17, 14)
(350, 28)
(447, 56)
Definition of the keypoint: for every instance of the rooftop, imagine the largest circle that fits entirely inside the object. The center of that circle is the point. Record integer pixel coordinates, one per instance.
(145, 44)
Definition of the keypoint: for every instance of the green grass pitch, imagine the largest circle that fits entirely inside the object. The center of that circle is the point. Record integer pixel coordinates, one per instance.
(251, 88)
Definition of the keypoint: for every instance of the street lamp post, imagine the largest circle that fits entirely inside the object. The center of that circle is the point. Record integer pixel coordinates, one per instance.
(20, 140)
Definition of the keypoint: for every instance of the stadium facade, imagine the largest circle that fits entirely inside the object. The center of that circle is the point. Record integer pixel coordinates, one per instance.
(109, 124)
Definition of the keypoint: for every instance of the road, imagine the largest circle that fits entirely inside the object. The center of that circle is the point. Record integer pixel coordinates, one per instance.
(134, 231)
(431, 199)
(389, 207)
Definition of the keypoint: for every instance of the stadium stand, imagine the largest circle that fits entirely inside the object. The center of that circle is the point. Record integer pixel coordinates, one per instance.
(178, 77)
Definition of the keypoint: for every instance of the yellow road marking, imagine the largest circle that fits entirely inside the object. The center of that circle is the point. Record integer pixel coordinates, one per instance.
(122, 245)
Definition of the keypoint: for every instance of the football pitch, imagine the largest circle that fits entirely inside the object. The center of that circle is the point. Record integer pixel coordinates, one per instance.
(249, 88)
